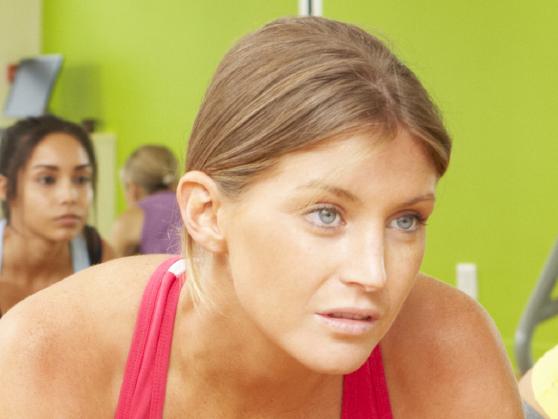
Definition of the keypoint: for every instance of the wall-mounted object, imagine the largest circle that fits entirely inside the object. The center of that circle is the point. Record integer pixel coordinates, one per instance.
(30, 91)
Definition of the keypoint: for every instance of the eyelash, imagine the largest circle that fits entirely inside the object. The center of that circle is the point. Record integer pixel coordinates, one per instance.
(51, 180)
(46, 180)
(419, 220)
(316, 211)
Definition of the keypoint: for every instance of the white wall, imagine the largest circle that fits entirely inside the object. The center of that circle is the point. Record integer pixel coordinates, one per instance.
(20, 36)
(104, 211)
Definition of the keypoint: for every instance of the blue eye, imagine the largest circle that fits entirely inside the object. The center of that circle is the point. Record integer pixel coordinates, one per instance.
(407, 222)
(325, 217)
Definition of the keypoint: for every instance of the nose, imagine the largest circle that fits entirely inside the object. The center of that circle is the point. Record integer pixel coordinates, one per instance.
(365, 262)
(67, 192)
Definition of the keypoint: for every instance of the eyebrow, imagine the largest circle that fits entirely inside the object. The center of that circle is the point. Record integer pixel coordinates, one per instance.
(52, 167)
(343, 193)
(340, 192)
(426, 197)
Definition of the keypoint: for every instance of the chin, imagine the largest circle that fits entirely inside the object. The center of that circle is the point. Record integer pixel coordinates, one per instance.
(337, 359)
(67, 234)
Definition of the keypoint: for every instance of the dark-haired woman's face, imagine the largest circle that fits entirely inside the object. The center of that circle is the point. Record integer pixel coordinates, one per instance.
(54, 190)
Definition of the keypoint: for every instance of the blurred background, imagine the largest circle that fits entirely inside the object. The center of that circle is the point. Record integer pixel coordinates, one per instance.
(139, 69)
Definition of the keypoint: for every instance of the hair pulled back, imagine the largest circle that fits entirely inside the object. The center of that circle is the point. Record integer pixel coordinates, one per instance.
(298, 82)
(152, 167)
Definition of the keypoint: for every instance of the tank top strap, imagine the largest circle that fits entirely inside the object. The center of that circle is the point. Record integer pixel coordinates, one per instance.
(365, 392)
(80, 255)
(142, 394)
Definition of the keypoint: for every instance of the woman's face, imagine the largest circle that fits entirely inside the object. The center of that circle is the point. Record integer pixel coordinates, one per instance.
(324, 251)
(54, 190)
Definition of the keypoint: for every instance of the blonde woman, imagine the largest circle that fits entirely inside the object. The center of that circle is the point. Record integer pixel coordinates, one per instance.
(311, 173)
(151, 222)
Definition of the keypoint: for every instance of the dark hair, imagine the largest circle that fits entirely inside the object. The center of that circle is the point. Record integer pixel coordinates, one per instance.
(19, 141)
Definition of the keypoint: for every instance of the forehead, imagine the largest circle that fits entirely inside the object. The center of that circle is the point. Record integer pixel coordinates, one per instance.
(360, 155)
(59, 149)
(372, 170)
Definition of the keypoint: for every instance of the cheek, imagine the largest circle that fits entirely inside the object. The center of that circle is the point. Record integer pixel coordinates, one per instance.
(405, 254)
(84, 196)
(33, 196)
(33, 209)
(88, 195)
(258, 255)
(268, 265)
(403, 262)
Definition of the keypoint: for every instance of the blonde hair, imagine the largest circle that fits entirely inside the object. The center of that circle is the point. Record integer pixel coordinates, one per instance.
(298, 82)
(152, 167)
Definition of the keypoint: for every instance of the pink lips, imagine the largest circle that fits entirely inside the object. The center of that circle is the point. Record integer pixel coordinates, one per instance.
(68, 219)
(349, 321)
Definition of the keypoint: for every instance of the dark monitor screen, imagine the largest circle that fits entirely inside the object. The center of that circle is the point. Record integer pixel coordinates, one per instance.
(30, 91)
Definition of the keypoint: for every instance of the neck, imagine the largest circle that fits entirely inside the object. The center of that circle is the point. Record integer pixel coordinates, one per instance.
(32, 256)
(232, 359)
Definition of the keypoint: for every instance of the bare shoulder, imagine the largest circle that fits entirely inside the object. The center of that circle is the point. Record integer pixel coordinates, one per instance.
(444, 358)
(64, 348)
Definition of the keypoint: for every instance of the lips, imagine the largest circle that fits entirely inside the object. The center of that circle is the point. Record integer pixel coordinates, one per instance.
(349, 321)
(68, 219)
(350, 316)
(351, 313)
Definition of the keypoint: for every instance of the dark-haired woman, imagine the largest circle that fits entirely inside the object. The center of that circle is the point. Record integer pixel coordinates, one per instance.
(47, 181)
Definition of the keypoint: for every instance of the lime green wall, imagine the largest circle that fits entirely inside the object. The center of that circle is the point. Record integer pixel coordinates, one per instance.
(494, 72)
(141, 67)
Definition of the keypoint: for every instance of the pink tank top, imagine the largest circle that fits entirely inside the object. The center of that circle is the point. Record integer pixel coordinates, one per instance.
(142, 395)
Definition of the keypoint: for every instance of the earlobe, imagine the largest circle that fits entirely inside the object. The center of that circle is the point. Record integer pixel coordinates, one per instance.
(199, 200)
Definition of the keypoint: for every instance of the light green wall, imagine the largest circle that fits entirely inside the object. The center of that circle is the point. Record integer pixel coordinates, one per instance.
(141, 67)
(493, 69)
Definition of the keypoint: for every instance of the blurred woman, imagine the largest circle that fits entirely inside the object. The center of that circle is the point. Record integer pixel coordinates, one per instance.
(48, 173)
(151, 223)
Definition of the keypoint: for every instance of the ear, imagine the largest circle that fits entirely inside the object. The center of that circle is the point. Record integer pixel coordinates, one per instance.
(3, 188)
(199, 200)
